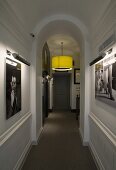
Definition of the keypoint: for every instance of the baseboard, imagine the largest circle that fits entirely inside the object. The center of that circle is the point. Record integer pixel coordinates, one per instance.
(38, 137)
(81, 136)
(73, 110)
(109, 137)
(26, 151)
(23, 157)
(96, 157)
(84, 143)
(50, 110)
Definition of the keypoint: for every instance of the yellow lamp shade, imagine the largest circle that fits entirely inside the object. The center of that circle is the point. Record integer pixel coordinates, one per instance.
(62, 63)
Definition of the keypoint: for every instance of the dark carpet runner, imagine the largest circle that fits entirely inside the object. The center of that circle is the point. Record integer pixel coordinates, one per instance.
(60, 147)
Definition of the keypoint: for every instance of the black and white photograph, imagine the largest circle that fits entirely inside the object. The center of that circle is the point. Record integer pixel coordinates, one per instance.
(13, 88)
(77, 76)
(105, 81)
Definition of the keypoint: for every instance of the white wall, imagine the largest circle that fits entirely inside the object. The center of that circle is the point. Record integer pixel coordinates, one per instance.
(15, 136)
(36, 89)
(85, 89)
(51, 94)
(74, 87)
(103, 116)
(39, 93)
(65, 24)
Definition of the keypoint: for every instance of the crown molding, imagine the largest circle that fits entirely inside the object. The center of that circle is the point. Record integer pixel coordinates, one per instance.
(13, 24)
(108, 16)
(109, 10)
(100, 37)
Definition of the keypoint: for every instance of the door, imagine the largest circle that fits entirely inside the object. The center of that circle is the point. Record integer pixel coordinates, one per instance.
(61, 91)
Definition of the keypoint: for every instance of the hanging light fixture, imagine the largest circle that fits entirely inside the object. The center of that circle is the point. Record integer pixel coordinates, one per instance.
(62, 63)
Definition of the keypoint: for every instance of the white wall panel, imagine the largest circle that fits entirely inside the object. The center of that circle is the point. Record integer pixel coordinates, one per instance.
(15, 137)
(114, 160)
(12, 150)
(103, 127)
(25, 78)
(101, 141)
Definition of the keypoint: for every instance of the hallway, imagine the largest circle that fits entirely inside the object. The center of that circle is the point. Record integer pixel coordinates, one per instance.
(60, 146)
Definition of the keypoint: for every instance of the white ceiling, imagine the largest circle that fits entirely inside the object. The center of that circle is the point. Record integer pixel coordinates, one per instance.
(70, 46)
(32, 12)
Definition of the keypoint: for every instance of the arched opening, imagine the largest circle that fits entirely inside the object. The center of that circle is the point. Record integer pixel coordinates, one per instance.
(69, 27)
(62, 88)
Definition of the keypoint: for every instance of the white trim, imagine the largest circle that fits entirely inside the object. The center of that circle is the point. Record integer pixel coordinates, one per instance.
(15, 33)
(15, 26)
(23, 157)
(81, 134)
(85, 143)
(8, 133)
(110, 8)
(39, 134)
(96, 157)
(106, 131)
(69, 18)
(38, 137)
(100, 33)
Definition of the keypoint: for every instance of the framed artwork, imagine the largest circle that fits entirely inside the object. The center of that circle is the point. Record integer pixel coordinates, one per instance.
(77, 76)
(105, 81)
(13, 88)
(46, 59)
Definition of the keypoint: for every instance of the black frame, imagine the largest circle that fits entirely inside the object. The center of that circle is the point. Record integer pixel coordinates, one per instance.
(13, 88)
(75, 71)
(46, 59)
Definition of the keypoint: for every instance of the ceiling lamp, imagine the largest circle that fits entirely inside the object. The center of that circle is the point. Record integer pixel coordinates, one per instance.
(62, 63)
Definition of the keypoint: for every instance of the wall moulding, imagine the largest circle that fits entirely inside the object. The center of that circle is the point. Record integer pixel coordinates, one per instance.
(105, 130)
(107, 43)
(23, 157)
(96, 156)
(13, 24)
(103, 35)
(109, 12)
(108, 20)
(8, 133)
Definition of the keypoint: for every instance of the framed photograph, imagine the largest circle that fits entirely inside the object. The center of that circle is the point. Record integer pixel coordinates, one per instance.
(13, 88)
(46, 59)
(77, 76)
(105, 81)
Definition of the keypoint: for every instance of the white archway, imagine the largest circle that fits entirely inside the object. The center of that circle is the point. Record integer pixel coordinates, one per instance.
(49, 26)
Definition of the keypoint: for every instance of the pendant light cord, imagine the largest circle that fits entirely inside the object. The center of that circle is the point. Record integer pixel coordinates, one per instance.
(62, 48)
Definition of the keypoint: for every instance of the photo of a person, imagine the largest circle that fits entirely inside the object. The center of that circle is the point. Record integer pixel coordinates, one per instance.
(13, 89)
(13, 94)
(105, 81)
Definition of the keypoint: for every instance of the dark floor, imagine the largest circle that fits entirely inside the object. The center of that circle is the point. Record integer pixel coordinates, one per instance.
(60, 146)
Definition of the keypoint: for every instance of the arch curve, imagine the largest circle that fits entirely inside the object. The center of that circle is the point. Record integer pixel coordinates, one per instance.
(50, 26)
(61, 17)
